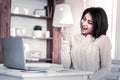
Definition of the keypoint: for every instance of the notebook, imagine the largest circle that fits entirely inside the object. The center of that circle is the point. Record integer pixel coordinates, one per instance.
(14, 56)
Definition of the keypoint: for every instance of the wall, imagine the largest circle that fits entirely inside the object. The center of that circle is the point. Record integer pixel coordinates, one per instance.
(27, 24)
(117, 39)
(77, 8)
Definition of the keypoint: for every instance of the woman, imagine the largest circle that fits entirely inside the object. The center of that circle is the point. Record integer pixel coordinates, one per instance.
(90, 50)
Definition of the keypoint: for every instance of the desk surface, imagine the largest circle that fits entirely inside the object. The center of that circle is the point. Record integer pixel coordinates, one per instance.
(51, 72)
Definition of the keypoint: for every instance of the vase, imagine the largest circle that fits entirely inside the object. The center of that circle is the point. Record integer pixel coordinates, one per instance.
(38, 33)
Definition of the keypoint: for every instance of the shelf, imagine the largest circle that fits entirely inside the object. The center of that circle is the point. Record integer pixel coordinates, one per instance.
(41, 59)
(34, 38)
(31, 16)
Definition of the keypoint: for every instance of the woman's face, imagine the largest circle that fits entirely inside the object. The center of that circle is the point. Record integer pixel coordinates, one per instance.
(86, 24)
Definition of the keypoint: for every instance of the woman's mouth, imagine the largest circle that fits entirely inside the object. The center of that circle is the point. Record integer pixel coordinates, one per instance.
(83, 28)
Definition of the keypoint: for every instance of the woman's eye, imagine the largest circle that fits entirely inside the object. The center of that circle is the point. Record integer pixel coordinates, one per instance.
(90, 22)
(84, 18)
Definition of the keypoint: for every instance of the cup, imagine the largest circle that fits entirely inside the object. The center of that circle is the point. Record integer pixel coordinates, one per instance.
(47, 34)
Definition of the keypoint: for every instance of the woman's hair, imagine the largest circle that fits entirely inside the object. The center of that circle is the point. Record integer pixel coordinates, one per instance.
(99, 18)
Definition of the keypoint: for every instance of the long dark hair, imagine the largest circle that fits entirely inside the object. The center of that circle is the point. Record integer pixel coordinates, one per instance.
(100, 21)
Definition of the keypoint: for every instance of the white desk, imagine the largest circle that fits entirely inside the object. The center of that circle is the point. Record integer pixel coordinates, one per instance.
(52, 74)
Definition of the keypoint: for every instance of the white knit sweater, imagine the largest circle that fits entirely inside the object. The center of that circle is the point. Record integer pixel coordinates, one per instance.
(87, 53)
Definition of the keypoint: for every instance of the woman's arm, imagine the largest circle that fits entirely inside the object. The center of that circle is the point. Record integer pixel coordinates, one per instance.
(105, 60)
(65, 51)
(65, 54)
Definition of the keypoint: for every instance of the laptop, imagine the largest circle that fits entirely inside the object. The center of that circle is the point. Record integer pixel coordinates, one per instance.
(14, 56)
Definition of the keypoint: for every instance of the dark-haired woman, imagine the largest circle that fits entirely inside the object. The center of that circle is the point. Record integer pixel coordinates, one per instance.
(91, 49)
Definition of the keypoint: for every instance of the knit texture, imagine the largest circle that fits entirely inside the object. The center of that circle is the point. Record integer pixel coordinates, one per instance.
(87, 53)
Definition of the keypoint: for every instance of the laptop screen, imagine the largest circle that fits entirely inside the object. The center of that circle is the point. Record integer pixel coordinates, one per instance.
(13, 52)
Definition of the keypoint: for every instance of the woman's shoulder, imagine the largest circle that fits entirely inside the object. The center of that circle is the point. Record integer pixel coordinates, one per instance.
(103, 40)
(77, 36)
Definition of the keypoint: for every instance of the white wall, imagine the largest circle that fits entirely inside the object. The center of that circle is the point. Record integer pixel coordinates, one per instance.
(117, 47)
(77, 8)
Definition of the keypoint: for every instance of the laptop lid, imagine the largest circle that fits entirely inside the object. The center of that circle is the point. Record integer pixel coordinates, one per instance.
(13, 53)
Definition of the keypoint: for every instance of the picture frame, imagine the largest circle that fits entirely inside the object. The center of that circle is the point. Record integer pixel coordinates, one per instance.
(33, 56)
(19, 32)
(39, 12)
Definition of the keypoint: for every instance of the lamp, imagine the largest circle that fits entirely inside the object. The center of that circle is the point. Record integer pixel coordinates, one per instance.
(62, 16)
(61, 19)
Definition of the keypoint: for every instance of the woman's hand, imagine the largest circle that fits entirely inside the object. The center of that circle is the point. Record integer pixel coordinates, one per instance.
(65, 35)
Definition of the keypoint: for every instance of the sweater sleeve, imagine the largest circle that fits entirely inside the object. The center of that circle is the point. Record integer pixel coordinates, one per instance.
(65, 54)
(105, 60)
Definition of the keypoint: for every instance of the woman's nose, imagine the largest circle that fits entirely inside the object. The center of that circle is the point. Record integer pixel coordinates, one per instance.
(84, 22)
